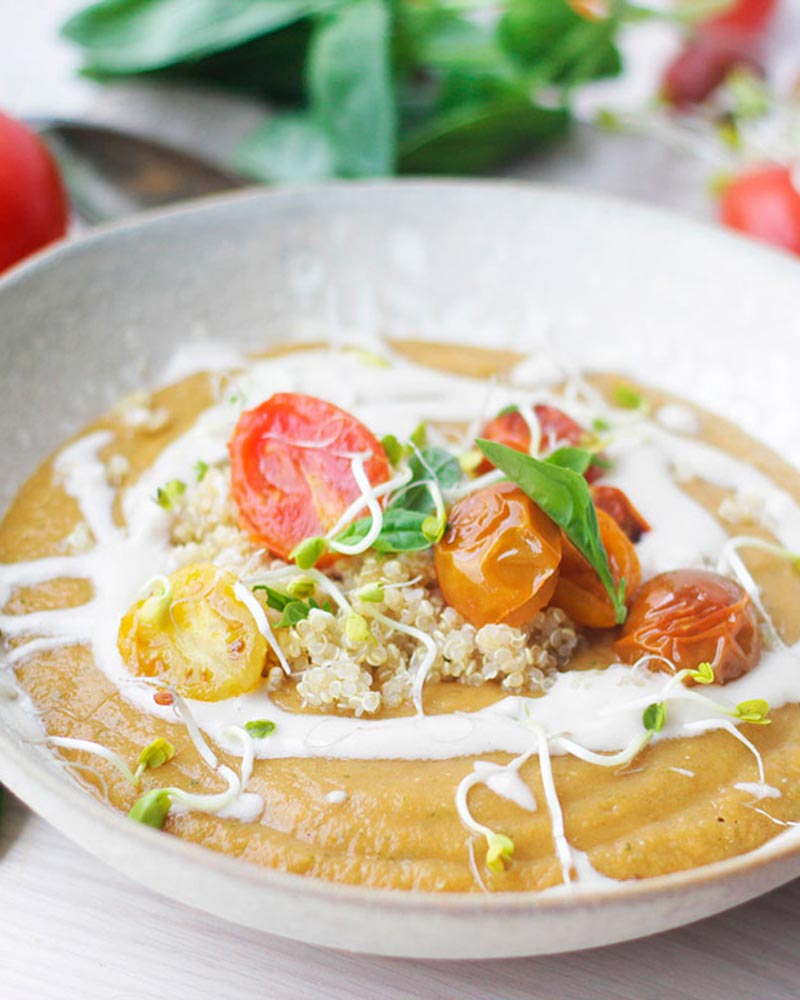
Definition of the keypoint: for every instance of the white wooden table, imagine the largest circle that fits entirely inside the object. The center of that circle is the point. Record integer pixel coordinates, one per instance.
(72, 928)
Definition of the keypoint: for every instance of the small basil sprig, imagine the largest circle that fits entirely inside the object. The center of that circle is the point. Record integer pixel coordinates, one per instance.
(408, 524)
(293, 609)
(426, 464)
(562, 493)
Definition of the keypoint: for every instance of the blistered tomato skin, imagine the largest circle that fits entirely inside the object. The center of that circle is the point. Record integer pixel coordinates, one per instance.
(617, 505)
(198, 637)
(498, 560)
(292, 472)
(579, 591)
(689, 617)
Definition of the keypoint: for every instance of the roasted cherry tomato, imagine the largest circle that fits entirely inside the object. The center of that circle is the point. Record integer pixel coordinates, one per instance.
(194, 634)
(292, 468)
(498, 559)
(33, 206)
(764, 203)
(616, 503)
(692, 616)
(557, 429)
(579, 590)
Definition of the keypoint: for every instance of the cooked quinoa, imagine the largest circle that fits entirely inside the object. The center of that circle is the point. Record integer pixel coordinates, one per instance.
(331, 670)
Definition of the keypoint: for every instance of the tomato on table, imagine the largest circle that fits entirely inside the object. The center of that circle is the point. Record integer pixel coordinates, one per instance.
(617, 504)
(557, 429)
(579, 590)
(693, 616)
(292, 468)
(498, 560)
(764, 203)
(33, 205)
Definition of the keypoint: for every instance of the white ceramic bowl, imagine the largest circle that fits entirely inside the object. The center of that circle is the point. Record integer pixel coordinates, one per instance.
(601, 282)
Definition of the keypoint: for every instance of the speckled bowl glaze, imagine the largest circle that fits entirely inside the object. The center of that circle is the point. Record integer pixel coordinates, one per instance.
(600, 283)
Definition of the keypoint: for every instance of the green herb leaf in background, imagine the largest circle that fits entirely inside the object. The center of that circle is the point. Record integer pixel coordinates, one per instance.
(134, 36)
(290, 147)
(350, 87)
(564, 496)
(373, 86)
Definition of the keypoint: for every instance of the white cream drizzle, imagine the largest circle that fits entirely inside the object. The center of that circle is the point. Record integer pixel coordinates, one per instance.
(601, 710)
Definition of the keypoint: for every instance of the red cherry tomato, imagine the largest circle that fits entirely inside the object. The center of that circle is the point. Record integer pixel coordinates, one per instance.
(557, 429)
(692, 616)
(764, 203)
(579, 591)
(701, 66)
(748, 18)
(616, 503)
(33, 206)
(498, 560)
(291, 471)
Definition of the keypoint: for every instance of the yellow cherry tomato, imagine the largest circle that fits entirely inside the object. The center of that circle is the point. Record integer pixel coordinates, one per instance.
(194, 634)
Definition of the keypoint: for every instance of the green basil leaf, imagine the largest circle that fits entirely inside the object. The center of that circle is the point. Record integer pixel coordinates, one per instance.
(564, 496)
(436, 463)
(476, 137)
(275, 599)
(133, 36)
(351, 89)
(290, 147)
(401, 531)
(576, 459)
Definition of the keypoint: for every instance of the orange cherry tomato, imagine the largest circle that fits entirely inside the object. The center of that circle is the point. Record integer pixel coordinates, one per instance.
(498, 560)
(579, 590)
(557, 429)
(616, 503)
(291, 468)
(693, 616)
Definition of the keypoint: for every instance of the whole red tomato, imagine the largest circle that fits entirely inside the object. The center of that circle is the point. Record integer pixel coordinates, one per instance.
(764, 203)
(33, 205)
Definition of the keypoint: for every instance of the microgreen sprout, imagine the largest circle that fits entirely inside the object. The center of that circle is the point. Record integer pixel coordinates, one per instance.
(628, 398)
(600, 425)
(433, 527)
(167, 494)
(154, 755)
(368, 357)
(395, 451)
(200, 469)
(508, 410)
(259, 729)
(308, 553)
(754, 711)
(654, 717)
(357, 630)
(301, 587)
(152, 808)
(469, 461)
(499, 849)
(157, 601)
(419, 436)
(371, 593)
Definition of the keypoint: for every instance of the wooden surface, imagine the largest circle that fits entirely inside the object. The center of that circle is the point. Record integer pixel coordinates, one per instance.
(73, 928)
